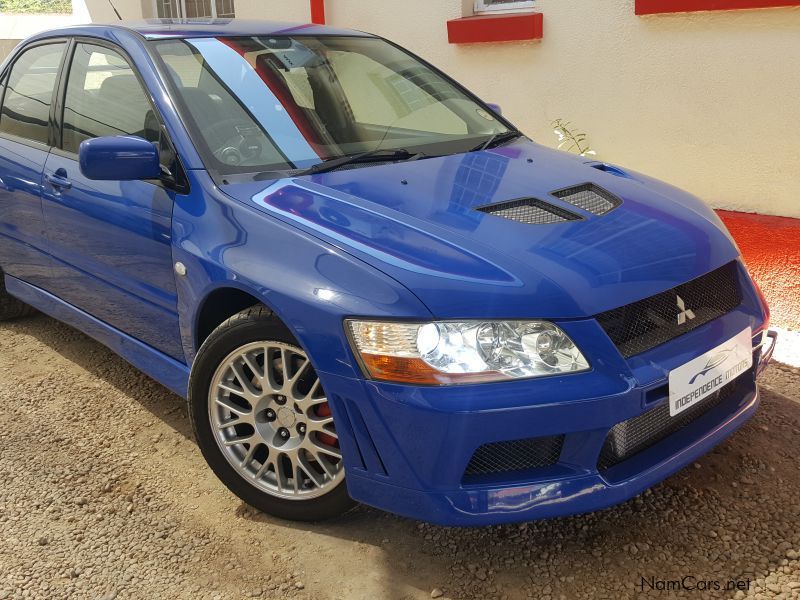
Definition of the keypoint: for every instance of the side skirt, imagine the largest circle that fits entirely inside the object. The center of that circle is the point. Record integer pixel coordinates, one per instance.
(164, 369)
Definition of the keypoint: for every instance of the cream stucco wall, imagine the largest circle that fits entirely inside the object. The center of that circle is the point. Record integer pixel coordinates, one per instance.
(707, 101)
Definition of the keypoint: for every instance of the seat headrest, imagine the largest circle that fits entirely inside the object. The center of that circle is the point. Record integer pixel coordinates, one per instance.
(120, 88)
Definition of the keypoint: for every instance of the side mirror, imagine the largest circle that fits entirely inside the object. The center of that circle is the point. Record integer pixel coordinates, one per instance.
(495, 107)
(119, 158)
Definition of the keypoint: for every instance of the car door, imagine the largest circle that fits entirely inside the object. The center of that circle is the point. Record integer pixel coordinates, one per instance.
(111, 240)
(26, 95)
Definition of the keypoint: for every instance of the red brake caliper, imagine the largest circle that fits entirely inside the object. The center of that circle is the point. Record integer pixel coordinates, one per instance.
(323, 410)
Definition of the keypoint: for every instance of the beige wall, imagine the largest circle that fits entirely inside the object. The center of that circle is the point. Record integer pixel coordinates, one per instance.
(6, 46)
(707, 101)
(101, 11)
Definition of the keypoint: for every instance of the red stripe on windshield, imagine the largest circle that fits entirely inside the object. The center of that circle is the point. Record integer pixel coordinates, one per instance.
(281, 91)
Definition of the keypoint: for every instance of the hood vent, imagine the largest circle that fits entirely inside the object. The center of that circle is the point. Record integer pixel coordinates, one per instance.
(589, 197)
(529, 211)
(611, 169)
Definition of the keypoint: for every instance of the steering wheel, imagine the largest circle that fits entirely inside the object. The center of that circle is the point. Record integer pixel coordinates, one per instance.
(230, 143)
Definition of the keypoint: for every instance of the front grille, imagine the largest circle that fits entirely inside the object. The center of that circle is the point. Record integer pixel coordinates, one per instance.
(630, 437)
(643, 325)
(530, 211)
(516, 455)
(589, 197)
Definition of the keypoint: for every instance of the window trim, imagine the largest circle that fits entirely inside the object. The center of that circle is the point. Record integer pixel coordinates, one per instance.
(5, 75)
(499, 27)
(181, 183)
(482, 8)
(653, 7)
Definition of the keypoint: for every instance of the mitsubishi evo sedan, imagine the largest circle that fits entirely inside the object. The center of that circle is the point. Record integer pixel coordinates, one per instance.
(369, 285)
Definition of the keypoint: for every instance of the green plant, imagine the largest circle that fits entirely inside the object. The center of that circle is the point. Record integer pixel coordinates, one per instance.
(36, 6)
(570, 139)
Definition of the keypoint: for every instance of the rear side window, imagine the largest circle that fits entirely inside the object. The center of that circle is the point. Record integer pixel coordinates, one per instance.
(104, 98)
(29, 92)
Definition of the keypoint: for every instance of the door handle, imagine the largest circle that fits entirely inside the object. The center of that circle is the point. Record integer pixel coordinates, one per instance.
(58, 181)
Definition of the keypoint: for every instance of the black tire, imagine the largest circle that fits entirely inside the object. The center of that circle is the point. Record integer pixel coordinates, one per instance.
(10, 307)
(255, 324)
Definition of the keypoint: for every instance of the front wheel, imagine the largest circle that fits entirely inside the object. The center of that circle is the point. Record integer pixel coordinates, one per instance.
(263, 421)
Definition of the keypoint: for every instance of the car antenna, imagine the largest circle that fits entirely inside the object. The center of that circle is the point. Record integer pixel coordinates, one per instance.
(114, 8)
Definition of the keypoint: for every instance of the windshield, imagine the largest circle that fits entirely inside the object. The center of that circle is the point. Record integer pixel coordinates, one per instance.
(261, 104)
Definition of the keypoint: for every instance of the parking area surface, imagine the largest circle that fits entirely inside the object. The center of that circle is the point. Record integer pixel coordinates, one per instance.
(103, 494)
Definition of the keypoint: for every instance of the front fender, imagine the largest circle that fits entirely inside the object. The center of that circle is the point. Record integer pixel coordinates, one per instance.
(310, 285)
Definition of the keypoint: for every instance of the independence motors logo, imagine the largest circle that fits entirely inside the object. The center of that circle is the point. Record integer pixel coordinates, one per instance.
(713, 363)
(713, 385)
(709, 372)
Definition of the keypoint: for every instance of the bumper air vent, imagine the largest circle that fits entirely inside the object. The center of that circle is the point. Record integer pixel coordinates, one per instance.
(630, 437)
(516, 455)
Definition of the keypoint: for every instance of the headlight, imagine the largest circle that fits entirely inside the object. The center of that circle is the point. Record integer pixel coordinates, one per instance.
(463, 352)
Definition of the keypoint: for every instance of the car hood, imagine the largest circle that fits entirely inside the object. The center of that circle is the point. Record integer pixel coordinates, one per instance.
(417, 221)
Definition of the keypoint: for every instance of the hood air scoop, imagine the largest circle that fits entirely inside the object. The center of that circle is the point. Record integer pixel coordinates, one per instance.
(530, 211)
(589, 197)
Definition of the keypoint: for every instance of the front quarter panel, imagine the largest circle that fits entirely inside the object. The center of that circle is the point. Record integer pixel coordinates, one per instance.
(309, 284)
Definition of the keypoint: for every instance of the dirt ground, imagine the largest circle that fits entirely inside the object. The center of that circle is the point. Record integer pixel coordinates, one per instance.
(103, 494)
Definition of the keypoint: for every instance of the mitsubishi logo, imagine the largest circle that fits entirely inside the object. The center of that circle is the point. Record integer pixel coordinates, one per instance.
(685, 314)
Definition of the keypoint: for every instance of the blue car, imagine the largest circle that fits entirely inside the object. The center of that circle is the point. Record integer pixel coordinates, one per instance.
(368, 284)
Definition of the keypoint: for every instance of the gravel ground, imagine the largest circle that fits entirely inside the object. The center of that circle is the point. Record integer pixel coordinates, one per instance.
(103, 494)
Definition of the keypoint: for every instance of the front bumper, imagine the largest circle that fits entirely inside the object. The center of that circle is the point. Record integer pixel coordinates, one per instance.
(407, 448)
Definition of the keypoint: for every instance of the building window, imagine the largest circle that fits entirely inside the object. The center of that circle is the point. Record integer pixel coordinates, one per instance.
(194, 9)
(491, 6)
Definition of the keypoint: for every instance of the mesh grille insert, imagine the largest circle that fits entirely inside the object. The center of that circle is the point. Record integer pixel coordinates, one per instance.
(630, 437)
(643, 325)
(517, 455)
(589, 197)
(530, 211)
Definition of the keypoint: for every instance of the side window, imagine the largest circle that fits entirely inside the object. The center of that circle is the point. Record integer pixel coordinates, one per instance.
(104, 98)
(29, 92)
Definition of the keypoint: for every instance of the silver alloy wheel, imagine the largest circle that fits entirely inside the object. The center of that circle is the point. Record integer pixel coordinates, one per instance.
(272, 422)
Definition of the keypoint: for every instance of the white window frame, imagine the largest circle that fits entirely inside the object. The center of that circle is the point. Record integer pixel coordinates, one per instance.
(481, 6)
(181, 4)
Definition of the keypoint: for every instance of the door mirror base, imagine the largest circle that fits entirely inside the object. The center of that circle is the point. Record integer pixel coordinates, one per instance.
(495, 107)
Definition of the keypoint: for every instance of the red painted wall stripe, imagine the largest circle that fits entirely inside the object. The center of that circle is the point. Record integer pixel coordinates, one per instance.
(649, 7)
(771, 248)
(318, 12)
(495, 28)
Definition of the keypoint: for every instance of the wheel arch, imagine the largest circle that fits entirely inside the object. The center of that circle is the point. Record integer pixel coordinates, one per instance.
(223, 302)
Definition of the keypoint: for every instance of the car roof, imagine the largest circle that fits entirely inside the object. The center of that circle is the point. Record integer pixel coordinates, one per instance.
(195, 28)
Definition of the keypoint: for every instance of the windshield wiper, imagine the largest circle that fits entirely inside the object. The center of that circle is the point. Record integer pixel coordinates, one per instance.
(496, 140)
(376, 155)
